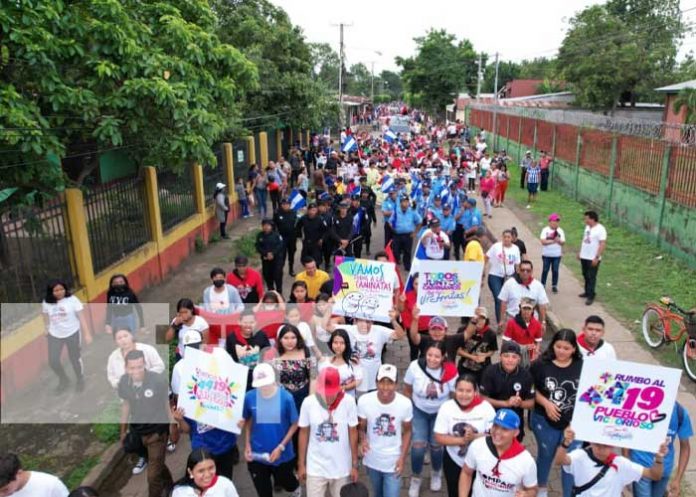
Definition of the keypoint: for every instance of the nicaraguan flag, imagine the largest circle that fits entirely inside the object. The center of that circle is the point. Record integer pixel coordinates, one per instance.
(389, 136)
(350, 145)
(297, 201)
(357, 222)
(415, 265)
(387, 184)
(415, 188)
(445, 196)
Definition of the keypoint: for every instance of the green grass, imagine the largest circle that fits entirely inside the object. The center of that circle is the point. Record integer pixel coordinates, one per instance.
(633, 271)
(246, 245)
(106, 427)
(78, 474)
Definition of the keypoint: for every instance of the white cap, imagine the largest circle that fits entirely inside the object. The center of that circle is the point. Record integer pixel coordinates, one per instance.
(387, 371)
(191, 337)
(220, 186)
(263, 375)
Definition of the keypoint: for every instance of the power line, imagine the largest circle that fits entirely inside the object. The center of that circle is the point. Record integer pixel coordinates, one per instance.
(83, 154)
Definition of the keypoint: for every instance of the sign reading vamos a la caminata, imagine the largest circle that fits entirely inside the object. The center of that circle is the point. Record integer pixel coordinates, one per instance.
(625, 404)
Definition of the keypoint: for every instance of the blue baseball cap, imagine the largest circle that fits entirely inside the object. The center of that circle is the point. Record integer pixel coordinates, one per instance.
(471, 201)
(507, 418)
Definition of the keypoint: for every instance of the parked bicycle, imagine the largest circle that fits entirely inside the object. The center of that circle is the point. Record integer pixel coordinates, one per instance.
(666, 322)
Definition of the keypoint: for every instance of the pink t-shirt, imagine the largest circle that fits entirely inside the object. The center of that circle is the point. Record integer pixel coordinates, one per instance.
(487, 184)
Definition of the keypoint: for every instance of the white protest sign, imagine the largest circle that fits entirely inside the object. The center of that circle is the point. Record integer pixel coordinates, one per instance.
(448, 288)
(212, 389)
(624, 404)
(364, 289)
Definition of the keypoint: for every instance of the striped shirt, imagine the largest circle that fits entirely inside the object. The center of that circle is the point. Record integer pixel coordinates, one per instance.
(533, 174)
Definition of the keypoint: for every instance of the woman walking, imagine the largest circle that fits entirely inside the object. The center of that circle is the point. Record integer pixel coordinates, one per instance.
(123, 308)
(552, 239)
(65, 326)
(260, 182)
(222, 208)
(501, 184)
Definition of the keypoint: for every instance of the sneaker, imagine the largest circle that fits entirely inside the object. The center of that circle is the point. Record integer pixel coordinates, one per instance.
(436, 481)
(583, 295)
(589, 301)
(554, 289)
(139, 466)
(542, 492)
(414, 487)
(529, 206)
(297, 492)
(171, 447)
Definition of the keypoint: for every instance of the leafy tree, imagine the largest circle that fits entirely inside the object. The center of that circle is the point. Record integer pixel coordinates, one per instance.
(549, 86)
(538, 68)
(326, 64)
(507, 71)
(358, 80)
(441, 68)
(151, 77)
(621, 50)
(687, 98)
(288, 90)
(390, 84)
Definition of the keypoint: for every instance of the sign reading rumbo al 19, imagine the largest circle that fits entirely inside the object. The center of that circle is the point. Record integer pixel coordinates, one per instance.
(625, 404)
(449, 288)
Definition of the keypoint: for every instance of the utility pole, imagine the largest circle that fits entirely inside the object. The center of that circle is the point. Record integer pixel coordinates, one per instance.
(372, 84)
(341, 54)
(495, 109)
(480, 75)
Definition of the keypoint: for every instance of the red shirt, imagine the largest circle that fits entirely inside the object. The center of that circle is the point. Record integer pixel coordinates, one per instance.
(407, 317)
(516, 333)
(487, 185)
(250, 288)
(544, 162)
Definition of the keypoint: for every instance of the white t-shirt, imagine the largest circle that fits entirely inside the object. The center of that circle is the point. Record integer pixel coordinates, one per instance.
(590, 241)
(62, 316)
(328, 451)
(606, 351)
(428, 395)
(433, 249)
(199, 324)
(512, 474)
(42, 485)
(219, 301)
(495, 259)
(347, 372)
(471, 170)
(223, 487)
(612, 483)
(553, 249)
(116, 365)
(451, 420)
(368, 347)
(512, 293)
(384, 429)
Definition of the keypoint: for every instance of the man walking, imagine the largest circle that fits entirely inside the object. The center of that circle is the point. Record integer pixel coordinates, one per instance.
(286, 219)
(526, 162)
(594, 241)
(404, 223)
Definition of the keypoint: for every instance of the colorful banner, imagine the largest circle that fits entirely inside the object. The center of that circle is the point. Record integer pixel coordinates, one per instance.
(364, 289)
(448, 288)
(212, 389)
(625, 404)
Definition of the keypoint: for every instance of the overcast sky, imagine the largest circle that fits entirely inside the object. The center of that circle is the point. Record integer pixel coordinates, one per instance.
(517, 29)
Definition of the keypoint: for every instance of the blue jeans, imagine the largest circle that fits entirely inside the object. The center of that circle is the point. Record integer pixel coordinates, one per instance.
(384, 484)
(645, 487)
(548, 439)
(553, 263)
(245, 207)
(129, 322)
(423, 435)
(495, 283)
(260, 195)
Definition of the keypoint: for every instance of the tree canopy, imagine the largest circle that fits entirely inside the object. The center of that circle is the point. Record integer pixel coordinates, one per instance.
(441, 68)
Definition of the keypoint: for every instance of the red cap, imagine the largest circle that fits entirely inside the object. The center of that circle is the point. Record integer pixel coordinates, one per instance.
(329, 382)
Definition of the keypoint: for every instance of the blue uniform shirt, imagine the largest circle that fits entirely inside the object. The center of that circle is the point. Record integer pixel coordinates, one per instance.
(682, 431)
(388, 205)
(471, 218)
(405, 222)
(447, 223)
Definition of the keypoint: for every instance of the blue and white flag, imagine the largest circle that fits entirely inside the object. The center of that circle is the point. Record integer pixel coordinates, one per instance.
(350, 145)
(387, 184)
(357, 190)
(415, 188)
(445, 196)
(357, 222)
(389, 136)
(418, 256)
(297, 201)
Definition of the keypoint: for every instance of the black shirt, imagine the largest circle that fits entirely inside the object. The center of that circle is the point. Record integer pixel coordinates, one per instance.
(311, 229)
(254, 346)
(478, 344)
(497, 384)
(123, 303)
(452, 343)
(559, 385)
(520, 245)
(148, 403)
(285, 221)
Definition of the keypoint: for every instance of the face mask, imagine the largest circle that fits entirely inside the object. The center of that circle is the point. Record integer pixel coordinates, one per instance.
(119, 288)
(219, 283)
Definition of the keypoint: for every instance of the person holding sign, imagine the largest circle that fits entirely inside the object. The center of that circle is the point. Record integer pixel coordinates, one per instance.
(202, 477)
(679, 428)
(556, 376)
(599, 472)
(435, 241)
(503, 467)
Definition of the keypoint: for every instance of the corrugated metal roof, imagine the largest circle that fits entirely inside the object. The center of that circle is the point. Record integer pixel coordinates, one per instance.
(678, 87)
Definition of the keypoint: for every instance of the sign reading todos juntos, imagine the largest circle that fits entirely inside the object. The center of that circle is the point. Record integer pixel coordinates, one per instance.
(449, 288)
(625, 404)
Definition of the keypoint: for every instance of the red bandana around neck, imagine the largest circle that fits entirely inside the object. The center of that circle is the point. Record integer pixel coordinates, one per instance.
(515, 449)
(477, 400)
